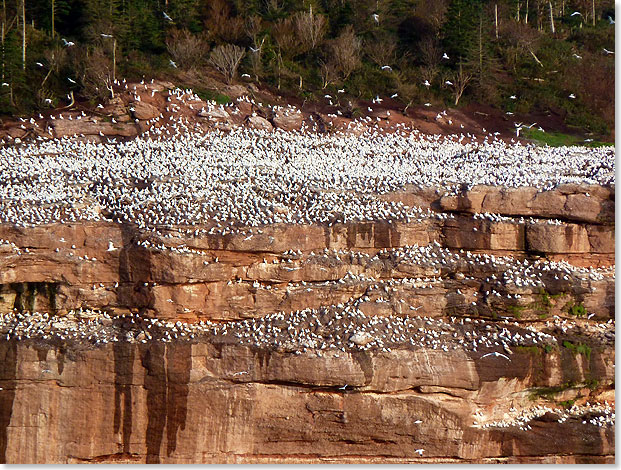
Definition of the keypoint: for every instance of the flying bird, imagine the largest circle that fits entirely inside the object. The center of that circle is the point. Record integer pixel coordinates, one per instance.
(166, 16)
(445, 56)
(495, 353)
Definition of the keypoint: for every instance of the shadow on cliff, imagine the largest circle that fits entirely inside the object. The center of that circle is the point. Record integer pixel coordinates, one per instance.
(8, 371)
(166, 369)
(166, 378)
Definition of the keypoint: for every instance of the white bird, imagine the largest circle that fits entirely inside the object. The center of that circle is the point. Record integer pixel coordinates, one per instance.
(104, 35)
(172, 62)
(445, 56)
(5, 84)
(572, 96)
(426, 83)
(342, 90)
(495, 353)
(577, 56)
(606, 51)
(610, 20)
(254, 50)
(111, 247)
(387, 67)
(67, 43)
(419, 451)
(245, 75)
(576, 13)
(427, 104)
(72, 81)
(166, 16)
(375, 17)
(448, 82)
(39, 64)
(394, 95)
(513, 97)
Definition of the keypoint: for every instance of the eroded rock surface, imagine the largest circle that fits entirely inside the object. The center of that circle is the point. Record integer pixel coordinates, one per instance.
(256, 296)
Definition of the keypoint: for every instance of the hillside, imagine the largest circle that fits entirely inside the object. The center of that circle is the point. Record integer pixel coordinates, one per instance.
(542, 61)
(244, 283)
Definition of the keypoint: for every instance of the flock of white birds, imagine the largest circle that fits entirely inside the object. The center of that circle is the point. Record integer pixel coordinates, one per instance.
(246, 177)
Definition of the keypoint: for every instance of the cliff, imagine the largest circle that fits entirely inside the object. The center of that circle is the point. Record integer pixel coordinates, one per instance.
(480, 333)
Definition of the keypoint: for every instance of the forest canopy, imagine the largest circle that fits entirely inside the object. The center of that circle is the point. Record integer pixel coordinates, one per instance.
(516, 55)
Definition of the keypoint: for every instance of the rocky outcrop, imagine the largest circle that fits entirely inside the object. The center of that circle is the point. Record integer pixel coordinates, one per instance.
(82, 127)
(588, 204)
(457, 337)
(144, 111)
(210, 403)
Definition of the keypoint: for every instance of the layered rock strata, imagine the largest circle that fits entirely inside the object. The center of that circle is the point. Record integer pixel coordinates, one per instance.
(481, 332)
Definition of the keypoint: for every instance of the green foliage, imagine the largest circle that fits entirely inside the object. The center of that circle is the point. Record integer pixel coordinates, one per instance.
(524, 59)
(579, 348)
(567, 403)
(528, 349)
(212, 95)
(549, 392)
(591, 383)
(577, 310)
(460, 30)
(557, 139)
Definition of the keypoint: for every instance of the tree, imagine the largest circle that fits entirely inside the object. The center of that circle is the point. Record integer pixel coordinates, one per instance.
(461, 80)
(187, 49)
(226, 59)
(460, 30)
(407, 89)
(310, 29)
(284, 33)
(382, 52)
(345, 51)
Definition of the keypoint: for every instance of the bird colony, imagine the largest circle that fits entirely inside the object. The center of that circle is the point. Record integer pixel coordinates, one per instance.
(224, 180)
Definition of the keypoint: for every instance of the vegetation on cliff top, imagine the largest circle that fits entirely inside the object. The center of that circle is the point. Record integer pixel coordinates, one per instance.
(520, 56)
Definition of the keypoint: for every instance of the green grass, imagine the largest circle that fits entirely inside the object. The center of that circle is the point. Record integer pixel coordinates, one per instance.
(213, 95)
(558, 139)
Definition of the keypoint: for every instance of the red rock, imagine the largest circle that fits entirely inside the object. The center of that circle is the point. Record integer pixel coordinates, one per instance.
(144, 111)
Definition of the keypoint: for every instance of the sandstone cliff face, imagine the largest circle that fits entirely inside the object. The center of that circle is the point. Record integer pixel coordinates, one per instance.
(195, 403)
(458, 337)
